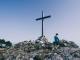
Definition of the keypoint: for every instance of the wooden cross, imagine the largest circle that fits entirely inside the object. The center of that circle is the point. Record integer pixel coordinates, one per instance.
(42, 18)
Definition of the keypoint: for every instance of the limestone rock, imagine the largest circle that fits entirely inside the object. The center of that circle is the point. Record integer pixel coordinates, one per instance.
(29, 50)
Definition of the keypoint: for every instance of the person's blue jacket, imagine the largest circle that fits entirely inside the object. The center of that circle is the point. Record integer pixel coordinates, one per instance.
(56, 39)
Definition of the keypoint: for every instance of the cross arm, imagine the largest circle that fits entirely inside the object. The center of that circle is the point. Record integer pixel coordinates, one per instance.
(38, 19)
(43, 17)
(47, 17)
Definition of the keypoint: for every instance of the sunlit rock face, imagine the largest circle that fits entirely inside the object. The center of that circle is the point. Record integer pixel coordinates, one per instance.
(41, 49)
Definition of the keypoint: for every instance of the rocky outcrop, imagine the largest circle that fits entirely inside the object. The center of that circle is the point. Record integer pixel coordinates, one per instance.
(43, 50)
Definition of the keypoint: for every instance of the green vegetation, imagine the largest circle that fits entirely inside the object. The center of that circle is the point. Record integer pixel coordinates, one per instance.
(5, 44)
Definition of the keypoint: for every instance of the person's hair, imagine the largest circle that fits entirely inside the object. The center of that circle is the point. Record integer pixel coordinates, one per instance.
(56, 33)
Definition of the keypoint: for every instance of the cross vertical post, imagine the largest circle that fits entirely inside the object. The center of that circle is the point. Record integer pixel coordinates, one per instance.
(42, 24)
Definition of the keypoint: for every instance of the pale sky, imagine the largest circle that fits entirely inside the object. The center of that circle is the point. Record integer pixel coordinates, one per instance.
(17, 19)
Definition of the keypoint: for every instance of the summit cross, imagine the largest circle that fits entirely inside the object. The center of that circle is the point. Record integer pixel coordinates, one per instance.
(42, 18)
